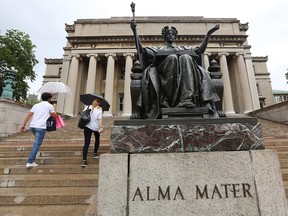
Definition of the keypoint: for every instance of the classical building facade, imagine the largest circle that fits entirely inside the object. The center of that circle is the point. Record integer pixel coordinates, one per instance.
(280, 96)
(99, 54)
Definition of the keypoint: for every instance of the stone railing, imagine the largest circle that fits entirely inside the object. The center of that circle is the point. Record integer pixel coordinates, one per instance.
(276, 112)
(12, 115)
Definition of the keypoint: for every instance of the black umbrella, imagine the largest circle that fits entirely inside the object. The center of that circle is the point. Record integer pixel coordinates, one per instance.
(87, 99)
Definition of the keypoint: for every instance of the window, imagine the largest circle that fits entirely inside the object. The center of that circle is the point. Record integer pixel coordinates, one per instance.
(121, 102)
(104, 75)
(277, 99)
(258, 89)
(59, 71)
(122, 73)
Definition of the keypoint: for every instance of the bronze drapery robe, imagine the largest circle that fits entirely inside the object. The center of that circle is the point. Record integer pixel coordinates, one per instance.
(172, 78)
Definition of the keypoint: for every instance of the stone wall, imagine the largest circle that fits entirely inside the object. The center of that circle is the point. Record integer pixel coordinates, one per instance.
(277, 112)
(12, 115)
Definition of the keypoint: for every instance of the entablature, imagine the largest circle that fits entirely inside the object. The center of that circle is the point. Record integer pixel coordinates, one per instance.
(75, 41)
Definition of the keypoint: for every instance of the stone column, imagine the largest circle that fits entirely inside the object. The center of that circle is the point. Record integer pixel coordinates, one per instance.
(252, 81)
(91, 79)
(244, 82)
(109, 86)
(64, 78)
(206, 60)
(227, 93)
(72, 83)
(127, 93)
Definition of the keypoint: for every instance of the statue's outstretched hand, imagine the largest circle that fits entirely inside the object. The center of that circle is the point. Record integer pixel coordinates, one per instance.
(133, 25)
(215, 28)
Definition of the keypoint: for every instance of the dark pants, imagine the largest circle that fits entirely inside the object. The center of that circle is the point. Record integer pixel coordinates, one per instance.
(87, 136)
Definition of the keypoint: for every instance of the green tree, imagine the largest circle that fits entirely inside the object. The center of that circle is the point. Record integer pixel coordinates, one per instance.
(2, 76)
(32, 101)
(286, 75)
(17, 50)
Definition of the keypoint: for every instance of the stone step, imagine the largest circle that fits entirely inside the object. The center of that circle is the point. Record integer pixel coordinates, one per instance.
(275, 142)
(278, 148)
(284, 163)
(49, 180)
(47, 160)
(282, 155)
(284, 173)
(47, 153)
(63, 138)
(44, 210)
(59, 147)
(47, 139)
(285, 183)
(48, 196)
(49, 169)
(41, 154)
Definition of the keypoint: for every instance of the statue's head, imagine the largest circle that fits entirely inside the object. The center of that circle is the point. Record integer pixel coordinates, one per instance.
(166, 29)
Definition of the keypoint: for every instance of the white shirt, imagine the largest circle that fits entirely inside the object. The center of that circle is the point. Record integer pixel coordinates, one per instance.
(95, 116)
(41, 112)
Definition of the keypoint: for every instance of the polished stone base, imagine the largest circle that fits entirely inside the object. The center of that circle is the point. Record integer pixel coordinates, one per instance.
(183, 112)
(186, 135)
(191, 184)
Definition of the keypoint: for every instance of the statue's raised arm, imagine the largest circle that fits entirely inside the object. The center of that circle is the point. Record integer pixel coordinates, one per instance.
(201, 49)
(136, 36)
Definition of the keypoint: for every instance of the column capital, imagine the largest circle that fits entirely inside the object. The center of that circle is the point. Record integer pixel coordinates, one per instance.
(128, 54)
(208, 53)
(92, 55)
(67, 58)
(247, 56)
(110, 54)
(76, 56)
(239, 53)
(223, 53)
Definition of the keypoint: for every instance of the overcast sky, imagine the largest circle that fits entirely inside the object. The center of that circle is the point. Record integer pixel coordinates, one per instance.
(44, 21)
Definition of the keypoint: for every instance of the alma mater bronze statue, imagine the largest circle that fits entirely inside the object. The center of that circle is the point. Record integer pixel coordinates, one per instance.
(171, 76)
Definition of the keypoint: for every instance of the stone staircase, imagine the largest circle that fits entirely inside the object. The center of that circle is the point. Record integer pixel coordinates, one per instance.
(60, 186)
(276, 138)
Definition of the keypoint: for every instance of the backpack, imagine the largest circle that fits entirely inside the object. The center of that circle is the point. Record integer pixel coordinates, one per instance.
(84, 118)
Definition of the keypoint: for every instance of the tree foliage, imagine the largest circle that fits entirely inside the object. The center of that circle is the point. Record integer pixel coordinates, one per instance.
(32, 101)
(17, 50)
(2, 77)
(286, 75)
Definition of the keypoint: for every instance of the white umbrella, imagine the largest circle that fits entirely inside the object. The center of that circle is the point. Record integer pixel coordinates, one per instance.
(55, 87)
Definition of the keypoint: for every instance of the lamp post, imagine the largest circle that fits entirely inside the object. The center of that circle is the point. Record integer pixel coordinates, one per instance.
(9, 75)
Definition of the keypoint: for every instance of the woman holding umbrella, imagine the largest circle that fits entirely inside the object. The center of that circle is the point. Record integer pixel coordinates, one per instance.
(94, 126)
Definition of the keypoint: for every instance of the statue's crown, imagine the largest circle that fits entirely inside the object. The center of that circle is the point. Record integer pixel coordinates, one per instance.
(166, 29)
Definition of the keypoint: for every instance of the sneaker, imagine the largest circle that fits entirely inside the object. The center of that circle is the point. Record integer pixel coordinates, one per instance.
(95, 155)
(30, 165)
(84, 163)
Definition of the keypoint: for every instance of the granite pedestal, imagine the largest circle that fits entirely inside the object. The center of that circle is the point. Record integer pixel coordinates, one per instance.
(187, 168)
